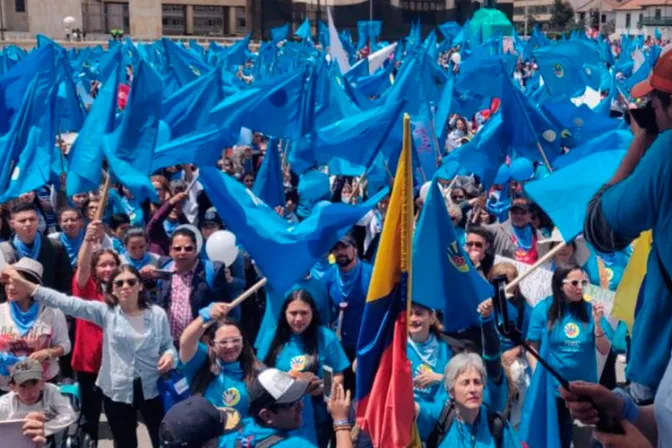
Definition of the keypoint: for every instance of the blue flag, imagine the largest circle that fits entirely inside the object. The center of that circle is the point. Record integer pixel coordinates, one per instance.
(567, 206)
(280, 33)
(443, 276)
(577, 124)
(269, 239)
(561, 65)
(69, 112)
(303, 32)
(26, 151)
(129, 149)
(539, 419)
(185, 66)
(200, 148)
(269, 184)
(485, 153)
(188, 109)
(86, 153)
(368, 30)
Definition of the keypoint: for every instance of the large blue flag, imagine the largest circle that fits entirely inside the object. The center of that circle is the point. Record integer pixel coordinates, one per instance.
(269, 184)
(269, 239)
(443, 276)
(280, 33)
(86, 153)
(577, 124)
(561, 65)
(539, 419)
(14, 83)
(130, 148)
(70, 113)
(188, 109)
(485, 153)
(303, 32)
(368, 31)
(567, 206)
(26, 151)
(185, 66)
(201, 148)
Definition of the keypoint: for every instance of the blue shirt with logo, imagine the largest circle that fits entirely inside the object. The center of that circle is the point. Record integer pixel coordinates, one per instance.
(572, 342)
(293, 357)
(228, 389)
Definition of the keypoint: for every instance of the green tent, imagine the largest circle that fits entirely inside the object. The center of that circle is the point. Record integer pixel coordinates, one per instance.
(490, 19)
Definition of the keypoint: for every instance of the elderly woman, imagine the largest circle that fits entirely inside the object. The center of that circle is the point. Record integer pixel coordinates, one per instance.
(464, 421)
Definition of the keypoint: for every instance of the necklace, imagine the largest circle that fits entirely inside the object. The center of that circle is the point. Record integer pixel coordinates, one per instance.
(465, 436)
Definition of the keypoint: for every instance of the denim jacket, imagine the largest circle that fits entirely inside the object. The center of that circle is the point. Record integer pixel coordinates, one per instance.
(121, 361)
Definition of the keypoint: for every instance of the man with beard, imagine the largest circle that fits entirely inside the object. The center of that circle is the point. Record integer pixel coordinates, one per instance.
(347, 286)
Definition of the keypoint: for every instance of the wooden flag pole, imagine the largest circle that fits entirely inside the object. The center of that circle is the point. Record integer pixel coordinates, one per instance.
(241, 298)
(551, 253)
(103, 198)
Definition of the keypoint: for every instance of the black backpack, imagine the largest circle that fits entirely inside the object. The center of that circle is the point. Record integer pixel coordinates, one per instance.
(496, 426)
(268, 442)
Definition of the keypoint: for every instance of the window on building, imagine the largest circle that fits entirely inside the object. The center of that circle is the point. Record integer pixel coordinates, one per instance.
(20, 5)
(641, 20)
(603, 18)
(241, 21)
(627, 20)
(658, 14)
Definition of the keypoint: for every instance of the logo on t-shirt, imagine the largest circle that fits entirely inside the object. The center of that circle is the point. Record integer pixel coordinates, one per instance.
(231, 396)
(572, 330)
(298, 363)
(422, 368)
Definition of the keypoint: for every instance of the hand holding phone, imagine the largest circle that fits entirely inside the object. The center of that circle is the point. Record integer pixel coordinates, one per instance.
(328, 380)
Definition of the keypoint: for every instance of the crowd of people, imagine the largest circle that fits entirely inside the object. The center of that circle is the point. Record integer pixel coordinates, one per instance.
(121, 297)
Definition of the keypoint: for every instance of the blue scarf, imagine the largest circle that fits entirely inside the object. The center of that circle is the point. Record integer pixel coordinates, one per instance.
(170, 227)
(118, 246)
(141, 263)
(427, 351)
(24, 321)
(72, 245)
(346, 281)
(232, 369)
(24, 251)
(524, 236)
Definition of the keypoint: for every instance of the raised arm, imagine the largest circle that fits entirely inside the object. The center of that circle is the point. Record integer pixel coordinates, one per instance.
(192, 334)
(90, 310)
(93, 231)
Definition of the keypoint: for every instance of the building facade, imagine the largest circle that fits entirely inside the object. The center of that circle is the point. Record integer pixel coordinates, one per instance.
(637, 17)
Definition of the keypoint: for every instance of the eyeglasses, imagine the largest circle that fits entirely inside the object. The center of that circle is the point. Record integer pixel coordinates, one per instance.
(225, 342)
(457, 198)
(129, 281)
(187, 249)
(576, 283)
(474, 244)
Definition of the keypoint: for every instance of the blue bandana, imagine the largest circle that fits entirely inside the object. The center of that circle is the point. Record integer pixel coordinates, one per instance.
(170, 227)
(427, 351)
(24, 251)
(24, 320)
(346, 281)
(524, 236)
(141, 263)
(72, 245)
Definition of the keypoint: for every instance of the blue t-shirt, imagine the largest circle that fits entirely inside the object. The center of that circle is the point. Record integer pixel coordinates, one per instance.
(506, 343)
(293, 357)
(351, 288)
(642, 202)
(572, 342)
(460, 434)
(432, 355)
(251, 434)
(614, 265)
(228, 389)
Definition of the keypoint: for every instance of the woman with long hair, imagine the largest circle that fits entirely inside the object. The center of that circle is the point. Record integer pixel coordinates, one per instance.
(94, 269)
(571, 327)
(302, 347)
(138, 348)
(223, 369)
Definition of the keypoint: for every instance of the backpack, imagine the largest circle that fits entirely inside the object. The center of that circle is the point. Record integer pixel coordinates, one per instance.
(496, 426)
(266, 443)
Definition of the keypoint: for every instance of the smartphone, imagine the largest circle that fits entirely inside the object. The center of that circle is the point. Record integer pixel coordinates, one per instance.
(328, 380)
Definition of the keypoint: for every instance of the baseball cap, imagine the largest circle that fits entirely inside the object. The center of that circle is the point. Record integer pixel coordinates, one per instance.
(212, 217)
(521, 204)
(659, 79)
(346, 240)
(273, 386)
(30, 267)
(195, 421)
(26, 370)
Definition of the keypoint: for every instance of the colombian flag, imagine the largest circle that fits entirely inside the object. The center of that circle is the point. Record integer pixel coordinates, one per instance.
(385, 405)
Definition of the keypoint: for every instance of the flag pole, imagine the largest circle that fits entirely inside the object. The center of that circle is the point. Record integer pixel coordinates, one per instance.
(551, 253)
(244, 296)
(103, 198)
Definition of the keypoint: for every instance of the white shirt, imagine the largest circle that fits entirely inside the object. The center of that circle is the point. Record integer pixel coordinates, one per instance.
(54, 405)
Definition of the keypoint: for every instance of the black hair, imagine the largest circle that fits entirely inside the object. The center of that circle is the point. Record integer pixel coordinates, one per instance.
(576, 309)
(183, 232)
(489, 260)
(210, 370)
(70, 209)
(134, 232)
(111, 300)
(119, 219)
(664, 97)
(24, 207)
(283, 332)
(292, 195)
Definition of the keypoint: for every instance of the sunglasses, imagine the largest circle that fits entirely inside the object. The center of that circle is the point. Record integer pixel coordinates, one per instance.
(129, 281)
(474, 244)
(576, 283)
(457, 198)
(187, 249)
(225, 342)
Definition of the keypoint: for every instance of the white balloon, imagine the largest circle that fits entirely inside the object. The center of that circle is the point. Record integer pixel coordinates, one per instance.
(424, 190)
(68, 20)
(199, 237)
(221, 246)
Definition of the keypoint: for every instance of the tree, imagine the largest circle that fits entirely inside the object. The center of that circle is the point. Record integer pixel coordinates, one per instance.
(562, 14)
